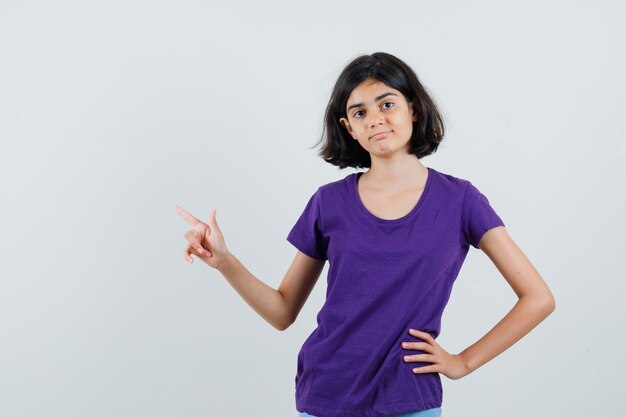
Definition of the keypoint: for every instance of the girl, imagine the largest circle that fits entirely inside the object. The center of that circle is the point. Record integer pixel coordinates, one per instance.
(395, 237)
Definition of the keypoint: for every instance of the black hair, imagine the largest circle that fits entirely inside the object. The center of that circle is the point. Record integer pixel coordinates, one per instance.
(338, 146)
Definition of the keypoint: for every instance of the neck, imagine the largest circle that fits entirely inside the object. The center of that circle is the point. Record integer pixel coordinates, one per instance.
(399, 173)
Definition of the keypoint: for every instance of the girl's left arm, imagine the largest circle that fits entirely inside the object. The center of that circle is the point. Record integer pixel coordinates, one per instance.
(535, 303)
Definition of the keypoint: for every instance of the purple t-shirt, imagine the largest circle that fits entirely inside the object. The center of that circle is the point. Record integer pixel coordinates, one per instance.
(384, 278)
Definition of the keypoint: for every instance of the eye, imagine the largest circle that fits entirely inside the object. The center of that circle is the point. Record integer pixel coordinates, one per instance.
(356, 114)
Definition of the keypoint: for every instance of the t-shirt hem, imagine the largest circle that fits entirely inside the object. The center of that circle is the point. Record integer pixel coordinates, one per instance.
(303, 247)
(485, 229)
(377, 412)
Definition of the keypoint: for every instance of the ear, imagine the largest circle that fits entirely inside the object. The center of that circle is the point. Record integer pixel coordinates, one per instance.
(413, 110)
(346, 124)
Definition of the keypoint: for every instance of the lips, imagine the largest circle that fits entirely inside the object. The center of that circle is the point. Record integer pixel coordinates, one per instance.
(379, 135)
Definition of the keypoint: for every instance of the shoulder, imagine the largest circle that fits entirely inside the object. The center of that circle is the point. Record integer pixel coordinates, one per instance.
(449, 185)
(330, 195)
(463, 190)
(333, 189)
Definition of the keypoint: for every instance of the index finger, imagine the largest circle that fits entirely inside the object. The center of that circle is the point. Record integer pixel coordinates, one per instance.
(420, 334)
(187, 216)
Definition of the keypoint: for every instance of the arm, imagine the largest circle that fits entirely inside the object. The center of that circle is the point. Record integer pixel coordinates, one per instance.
(278, 307)
(535, 303)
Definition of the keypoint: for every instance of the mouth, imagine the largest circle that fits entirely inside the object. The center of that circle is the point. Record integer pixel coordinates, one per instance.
(380, 135)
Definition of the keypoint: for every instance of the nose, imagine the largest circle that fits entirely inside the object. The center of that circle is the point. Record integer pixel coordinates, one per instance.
(376, 117)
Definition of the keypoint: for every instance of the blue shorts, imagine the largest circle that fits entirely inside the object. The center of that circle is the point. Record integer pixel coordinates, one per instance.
(431, 412)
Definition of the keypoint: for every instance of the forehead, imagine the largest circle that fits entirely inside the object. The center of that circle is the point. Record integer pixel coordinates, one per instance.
(368, 90)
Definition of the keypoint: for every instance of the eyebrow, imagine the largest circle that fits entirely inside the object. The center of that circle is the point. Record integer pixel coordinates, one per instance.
(377, 98)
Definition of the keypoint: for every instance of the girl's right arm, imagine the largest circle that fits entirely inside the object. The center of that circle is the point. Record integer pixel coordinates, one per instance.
(278, 307)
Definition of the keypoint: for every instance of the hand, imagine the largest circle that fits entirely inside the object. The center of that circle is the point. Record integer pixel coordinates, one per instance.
(205, 240)
(452, 366)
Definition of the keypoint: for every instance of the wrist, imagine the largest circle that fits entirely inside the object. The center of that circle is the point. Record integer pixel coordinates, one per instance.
(224, 265)
(466, 363)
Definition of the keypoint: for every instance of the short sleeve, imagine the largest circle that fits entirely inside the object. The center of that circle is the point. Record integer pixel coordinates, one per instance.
(477, 216)
(307, 234)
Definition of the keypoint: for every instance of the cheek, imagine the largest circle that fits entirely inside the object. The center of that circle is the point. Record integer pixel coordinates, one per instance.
(404, 122)
(361, 128)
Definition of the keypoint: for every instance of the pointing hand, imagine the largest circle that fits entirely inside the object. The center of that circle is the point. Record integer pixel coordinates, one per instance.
(205, 240)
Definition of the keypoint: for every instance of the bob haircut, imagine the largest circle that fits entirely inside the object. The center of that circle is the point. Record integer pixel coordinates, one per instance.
(339, 148)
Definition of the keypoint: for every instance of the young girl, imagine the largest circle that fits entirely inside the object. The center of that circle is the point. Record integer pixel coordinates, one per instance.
(395, 237)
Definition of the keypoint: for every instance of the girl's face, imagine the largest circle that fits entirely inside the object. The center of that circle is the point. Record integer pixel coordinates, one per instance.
(374, 107)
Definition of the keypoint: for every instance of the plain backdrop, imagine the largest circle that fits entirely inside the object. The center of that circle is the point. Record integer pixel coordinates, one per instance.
(112, 112)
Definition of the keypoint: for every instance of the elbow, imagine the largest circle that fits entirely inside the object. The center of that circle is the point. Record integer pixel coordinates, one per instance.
(544, 303)
(286, 317)
(549, 304)
(283, 325)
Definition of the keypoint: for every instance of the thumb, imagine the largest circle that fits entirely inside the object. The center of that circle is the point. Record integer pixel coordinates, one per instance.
(213, 222)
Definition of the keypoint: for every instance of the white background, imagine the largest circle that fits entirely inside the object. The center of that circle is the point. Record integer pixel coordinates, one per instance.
(112, 112)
